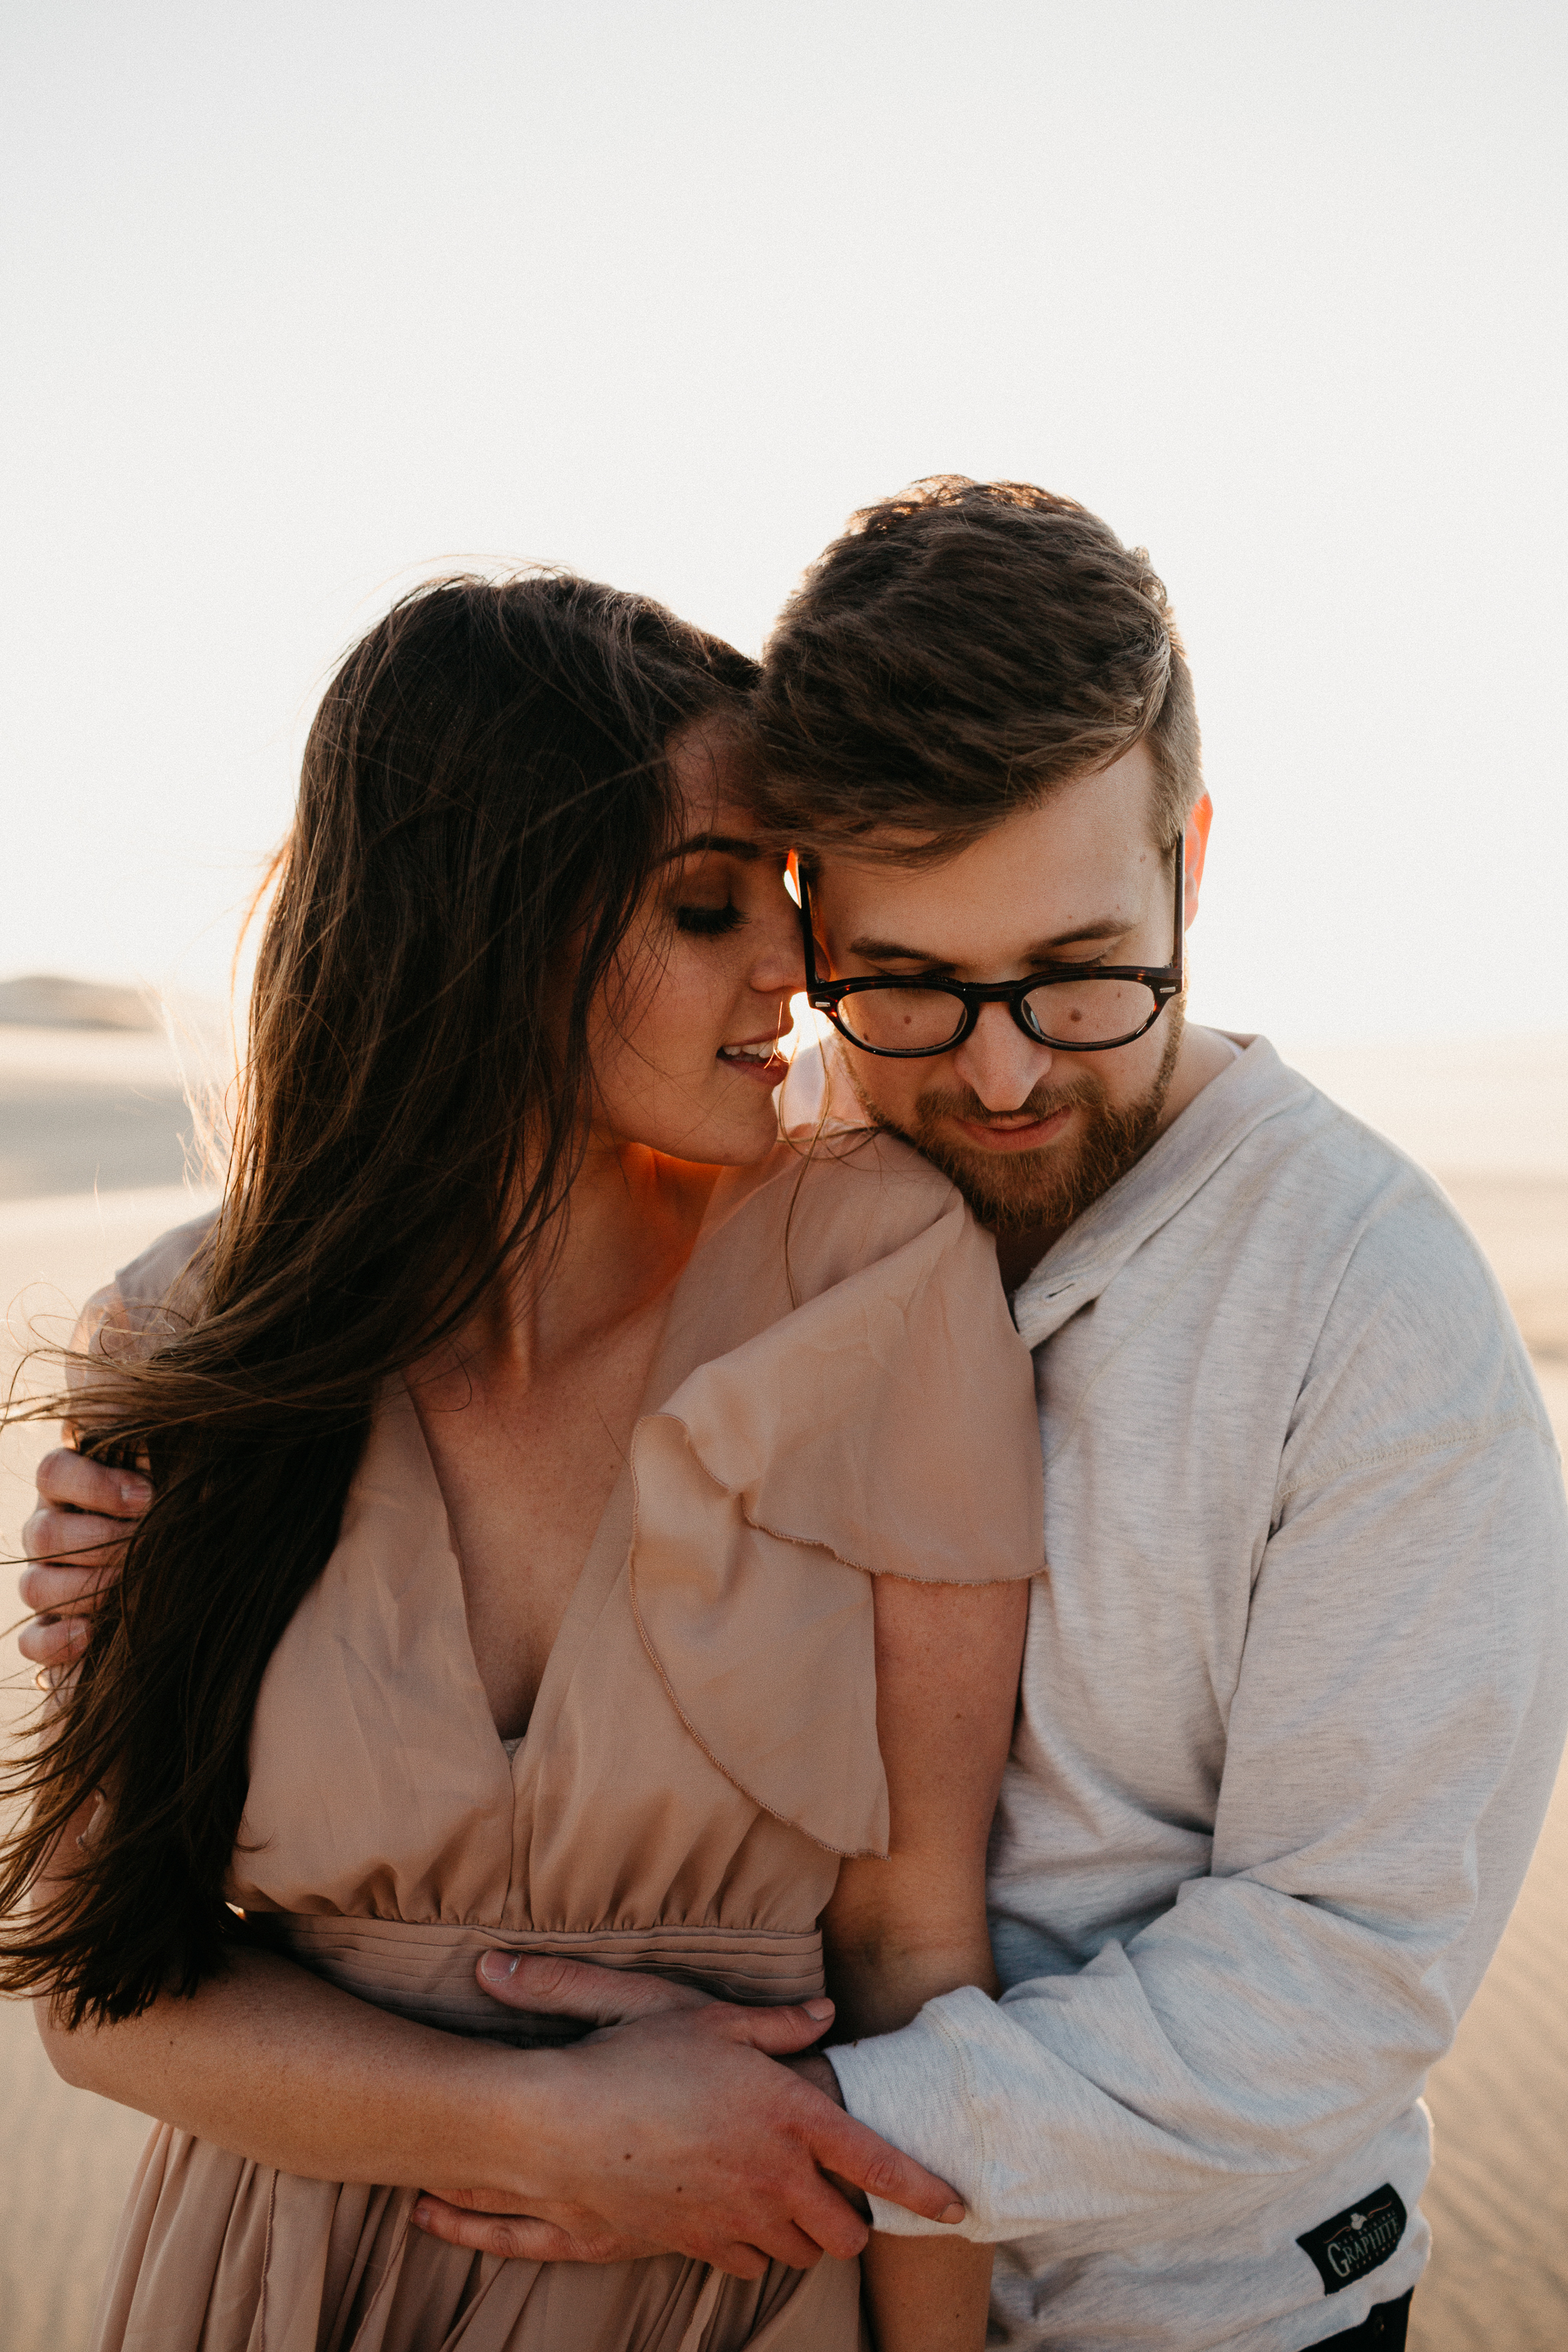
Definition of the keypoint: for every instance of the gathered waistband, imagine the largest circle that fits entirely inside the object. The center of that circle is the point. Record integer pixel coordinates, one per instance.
(426, 1970)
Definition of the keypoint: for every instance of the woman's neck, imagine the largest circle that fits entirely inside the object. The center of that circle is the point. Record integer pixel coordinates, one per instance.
(529, 1413)
(625, 1234)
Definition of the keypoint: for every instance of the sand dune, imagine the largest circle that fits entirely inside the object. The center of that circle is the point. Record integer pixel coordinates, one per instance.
(1498, 2199)
(1498, 2203)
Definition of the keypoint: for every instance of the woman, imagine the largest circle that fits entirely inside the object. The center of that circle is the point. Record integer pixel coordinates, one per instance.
(561, 1533)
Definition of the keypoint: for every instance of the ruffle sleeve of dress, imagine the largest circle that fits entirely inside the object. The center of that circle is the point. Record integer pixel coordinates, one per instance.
(839, 1395)
(884, 1427)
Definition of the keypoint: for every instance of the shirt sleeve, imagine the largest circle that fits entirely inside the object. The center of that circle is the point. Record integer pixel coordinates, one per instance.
(1391, 1749)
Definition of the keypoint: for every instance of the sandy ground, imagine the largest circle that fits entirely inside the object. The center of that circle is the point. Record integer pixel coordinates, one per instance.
(1499, 2198)
(65, 2157)
(85, 1110)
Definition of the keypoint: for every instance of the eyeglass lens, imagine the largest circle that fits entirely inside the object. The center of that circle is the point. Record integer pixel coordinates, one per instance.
(1061, 1013)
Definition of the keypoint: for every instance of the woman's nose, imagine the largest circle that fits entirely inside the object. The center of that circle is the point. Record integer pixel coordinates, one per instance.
(779, 964)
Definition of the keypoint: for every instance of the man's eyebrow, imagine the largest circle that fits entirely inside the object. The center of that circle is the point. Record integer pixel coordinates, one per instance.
(722, 845)
(894, 951)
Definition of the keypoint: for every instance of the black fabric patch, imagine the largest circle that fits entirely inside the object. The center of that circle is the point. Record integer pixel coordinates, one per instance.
(1358, 2239)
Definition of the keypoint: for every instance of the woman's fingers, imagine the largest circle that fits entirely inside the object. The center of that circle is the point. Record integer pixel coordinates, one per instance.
(560, 1987)
(780, 2033)
(842, 2146)
(837, 2143)
(672, 2125)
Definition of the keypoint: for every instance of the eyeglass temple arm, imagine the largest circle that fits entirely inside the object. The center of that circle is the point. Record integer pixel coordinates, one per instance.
(808, 936)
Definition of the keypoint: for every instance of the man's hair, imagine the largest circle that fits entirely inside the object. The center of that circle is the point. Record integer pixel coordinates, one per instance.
(957, 653)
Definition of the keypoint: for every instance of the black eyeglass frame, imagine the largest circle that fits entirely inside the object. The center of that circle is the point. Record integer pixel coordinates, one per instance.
(1165, 980)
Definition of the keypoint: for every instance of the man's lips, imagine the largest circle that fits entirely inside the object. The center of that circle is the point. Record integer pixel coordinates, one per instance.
(1014, 1131)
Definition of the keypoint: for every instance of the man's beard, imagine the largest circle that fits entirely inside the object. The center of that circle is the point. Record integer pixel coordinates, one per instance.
(1021, 1192)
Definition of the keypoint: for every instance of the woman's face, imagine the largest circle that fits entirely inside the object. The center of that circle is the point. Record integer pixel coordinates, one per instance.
(684, 1040)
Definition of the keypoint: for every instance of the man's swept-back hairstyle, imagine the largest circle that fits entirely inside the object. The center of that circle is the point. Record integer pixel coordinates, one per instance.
(958, 653)
(485, 798)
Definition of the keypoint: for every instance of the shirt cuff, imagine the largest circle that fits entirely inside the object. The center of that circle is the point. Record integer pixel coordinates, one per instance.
(911, 2088)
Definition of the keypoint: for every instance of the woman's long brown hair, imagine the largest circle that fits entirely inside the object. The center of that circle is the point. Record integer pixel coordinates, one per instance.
(484, 798)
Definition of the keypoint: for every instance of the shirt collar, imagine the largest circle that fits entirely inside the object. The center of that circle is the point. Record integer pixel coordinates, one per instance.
(1078, 1266)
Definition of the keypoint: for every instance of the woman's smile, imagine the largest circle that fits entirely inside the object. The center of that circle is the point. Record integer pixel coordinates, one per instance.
(756, 1057)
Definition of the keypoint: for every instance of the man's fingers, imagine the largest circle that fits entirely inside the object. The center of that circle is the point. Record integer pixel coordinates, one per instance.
(563, 1988)
(559, 1988)
(843, 2145)
(74, 1539)
(52, 1590)
(514, 2236)
(74, 1482)
(519, 2237)
(75, 1543)
(52, 1640)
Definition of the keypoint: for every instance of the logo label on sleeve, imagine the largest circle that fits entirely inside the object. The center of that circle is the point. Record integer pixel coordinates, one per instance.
(1357, 2239)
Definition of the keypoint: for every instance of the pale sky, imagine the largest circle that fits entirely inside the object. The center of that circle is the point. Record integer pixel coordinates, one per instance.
(305, 302)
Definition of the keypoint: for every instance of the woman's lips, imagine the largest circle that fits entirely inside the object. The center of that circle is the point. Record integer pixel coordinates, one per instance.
(1027, 1137)
(768, 1067)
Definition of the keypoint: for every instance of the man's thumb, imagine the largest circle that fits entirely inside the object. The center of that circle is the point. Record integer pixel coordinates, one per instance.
(560, 1988)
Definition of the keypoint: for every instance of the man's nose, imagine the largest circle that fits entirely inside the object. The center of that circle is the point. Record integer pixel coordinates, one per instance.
(998, 1062)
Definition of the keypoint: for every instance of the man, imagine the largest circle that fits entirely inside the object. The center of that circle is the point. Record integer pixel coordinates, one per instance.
(1294, 1686)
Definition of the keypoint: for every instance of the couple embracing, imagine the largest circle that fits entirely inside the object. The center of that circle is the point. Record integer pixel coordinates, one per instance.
(976, 1647)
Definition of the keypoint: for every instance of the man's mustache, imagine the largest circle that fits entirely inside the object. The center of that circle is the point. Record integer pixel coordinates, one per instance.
(1043, 1102)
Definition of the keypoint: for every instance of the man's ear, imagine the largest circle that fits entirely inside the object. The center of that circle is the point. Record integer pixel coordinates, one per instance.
(1194, 850)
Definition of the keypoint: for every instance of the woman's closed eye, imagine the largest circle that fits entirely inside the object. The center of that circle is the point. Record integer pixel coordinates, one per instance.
(708, 922)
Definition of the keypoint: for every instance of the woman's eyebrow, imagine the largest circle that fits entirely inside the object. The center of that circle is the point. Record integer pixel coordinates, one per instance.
(723, 844)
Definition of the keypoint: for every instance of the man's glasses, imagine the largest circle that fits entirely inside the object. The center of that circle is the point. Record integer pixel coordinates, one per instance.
(1075, 1008)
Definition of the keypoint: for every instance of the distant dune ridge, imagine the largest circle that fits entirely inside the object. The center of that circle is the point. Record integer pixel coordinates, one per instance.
(46, 1000)
(96, 1084)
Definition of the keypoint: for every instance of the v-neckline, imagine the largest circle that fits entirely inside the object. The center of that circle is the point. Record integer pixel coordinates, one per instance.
(602, 1562)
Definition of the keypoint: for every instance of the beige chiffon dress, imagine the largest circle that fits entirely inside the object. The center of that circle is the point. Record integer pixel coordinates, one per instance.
(838, 1393)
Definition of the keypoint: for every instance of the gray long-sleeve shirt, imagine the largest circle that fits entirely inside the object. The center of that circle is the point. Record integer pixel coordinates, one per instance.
(1293, 1698)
